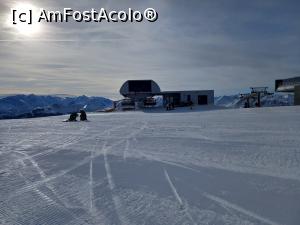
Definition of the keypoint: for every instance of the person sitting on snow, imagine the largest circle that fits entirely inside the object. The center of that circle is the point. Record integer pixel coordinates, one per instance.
(73, 117)
(83, 116)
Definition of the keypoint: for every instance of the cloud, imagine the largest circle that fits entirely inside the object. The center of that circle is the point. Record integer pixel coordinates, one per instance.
(224, 45)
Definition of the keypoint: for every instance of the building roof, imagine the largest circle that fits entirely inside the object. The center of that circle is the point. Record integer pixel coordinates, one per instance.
(166, 92)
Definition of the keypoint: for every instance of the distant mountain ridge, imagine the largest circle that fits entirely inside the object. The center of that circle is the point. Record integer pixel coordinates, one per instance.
(277, 99)
(27, 106)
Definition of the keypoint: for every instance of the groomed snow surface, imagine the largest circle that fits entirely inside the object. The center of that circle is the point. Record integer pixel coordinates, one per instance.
(239, 166)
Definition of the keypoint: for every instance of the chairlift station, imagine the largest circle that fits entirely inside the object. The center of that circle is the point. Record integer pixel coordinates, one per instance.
(141, 92)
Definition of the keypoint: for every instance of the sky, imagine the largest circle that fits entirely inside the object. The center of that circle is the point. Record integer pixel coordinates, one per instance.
(224, 45)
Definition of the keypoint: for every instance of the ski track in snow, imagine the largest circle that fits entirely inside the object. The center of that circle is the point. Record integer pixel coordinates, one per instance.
(116, 199)
(44, 196)
(178, 198)
(60, 143)
(230, 150)
(132, 136)
(91, 182)
(45, 180)
(59, 174)
(7, 134)
(173, 189)
(126, 149)
(225, 203)
(37, 167)
(94, 212)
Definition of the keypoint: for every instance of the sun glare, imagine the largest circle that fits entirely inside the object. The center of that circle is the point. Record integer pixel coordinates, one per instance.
(23, 27)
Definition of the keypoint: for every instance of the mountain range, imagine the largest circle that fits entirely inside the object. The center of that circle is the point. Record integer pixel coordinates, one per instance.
(28, 106)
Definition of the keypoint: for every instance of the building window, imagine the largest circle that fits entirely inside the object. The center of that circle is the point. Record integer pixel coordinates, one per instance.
(202, 100)
(188, 98)
(139, 86)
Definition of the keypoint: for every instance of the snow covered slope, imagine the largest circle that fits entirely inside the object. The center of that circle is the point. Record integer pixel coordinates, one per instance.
(23, 106)
(277, 99)
(235, 166)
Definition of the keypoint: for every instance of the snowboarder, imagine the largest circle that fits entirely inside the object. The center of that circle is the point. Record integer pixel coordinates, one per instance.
(83, 116)
(73, 117)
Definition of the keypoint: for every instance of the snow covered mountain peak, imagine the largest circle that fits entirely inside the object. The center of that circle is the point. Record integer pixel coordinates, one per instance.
(24, 106)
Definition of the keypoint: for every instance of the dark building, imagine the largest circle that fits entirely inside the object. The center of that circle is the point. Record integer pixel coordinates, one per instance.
(140, 91)
(182, 98)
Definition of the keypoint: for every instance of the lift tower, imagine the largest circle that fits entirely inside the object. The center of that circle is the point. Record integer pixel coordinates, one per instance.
(255, 95)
